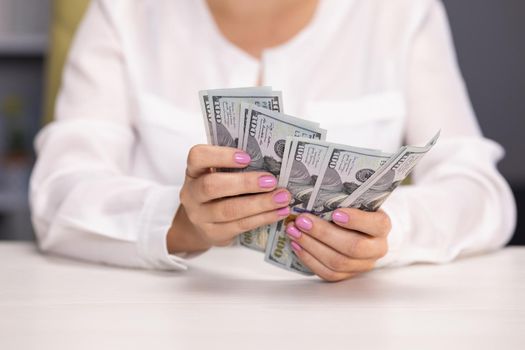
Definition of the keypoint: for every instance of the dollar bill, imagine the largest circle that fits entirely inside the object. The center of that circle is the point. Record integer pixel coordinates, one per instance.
(207, 110)
(265, 137)
(286, 157)
(227, 122)
(374, 193)
(305, 163)
(206, 113)
(346, 169)
(279, 252)
(265, 141)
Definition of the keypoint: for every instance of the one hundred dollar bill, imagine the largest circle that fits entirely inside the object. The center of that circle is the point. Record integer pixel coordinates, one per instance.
(346, 169)
(206, 114)
(373, 194)
(265, 137)
(284, 164)
(265, 142)
(207, 107)
(227, 122)
(306, 163)
(279, 252)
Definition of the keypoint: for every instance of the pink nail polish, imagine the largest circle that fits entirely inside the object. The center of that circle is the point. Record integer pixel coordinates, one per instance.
(242, 158)
(283, 211)
(296, 247)
(281, 197)
(267, 181)
(304, 223)
(294, 232)
(340, 217)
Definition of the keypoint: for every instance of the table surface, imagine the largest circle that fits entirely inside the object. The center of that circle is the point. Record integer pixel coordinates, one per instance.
(229, 298)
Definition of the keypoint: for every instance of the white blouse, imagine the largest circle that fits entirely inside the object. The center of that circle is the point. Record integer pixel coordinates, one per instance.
(375, 73)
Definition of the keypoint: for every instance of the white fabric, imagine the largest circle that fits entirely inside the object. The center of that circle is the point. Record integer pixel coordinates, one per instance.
(375, 73)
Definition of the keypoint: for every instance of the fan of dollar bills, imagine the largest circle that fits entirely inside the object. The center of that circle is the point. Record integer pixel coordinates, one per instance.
(321, 176)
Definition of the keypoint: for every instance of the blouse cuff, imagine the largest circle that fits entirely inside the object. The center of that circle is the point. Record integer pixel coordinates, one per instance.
(155, 221)
(395, 207)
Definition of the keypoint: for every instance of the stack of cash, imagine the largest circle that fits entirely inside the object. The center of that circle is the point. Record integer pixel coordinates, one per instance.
(321, 176)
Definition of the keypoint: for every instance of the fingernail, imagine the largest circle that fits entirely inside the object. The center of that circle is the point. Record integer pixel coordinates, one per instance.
(283, 211)
(294, 232)
(296, 247)
(281, 197)
(304, 223)
(242, 158)
(267, 181)
(340, 217)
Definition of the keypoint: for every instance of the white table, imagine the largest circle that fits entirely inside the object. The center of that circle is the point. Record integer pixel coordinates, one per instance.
(231, 299)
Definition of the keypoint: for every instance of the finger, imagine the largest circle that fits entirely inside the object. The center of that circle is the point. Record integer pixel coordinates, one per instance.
(350, 243)
(317, 267)
(203, 157)
(233, 228)
(328, 256)
(219, 185)
(235, 208)
(375, 224)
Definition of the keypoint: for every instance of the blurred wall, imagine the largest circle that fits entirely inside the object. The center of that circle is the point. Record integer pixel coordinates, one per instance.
(489, 37)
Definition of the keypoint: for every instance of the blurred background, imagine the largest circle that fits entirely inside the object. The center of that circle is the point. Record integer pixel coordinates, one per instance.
(35, 34)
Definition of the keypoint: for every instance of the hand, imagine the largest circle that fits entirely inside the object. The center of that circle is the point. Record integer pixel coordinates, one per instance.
(218, 206)
(340, 250)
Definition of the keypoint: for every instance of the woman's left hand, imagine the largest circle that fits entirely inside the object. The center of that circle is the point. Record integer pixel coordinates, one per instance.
(341, 249)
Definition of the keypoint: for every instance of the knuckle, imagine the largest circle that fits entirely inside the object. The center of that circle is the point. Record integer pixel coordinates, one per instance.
(363, 266)
(193, 217)
(384, 223)
(246, 181)
(208, 186)
(194, 154)
(383, 248)
(369, 267)
(354, 246)
(228, 211)
(337, 263)
(266, 202)
(260, 204)
(185, 195)
(244, 225)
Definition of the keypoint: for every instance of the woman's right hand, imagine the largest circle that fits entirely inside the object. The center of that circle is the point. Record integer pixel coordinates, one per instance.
(218, 206)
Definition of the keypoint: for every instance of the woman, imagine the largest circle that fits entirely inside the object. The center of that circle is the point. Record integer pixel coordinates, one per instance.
(375, 73)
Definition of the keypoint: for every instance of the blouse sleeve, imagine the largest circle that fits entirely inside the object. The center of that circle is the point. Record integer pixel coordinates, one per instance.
(459, 204)
(84, 203)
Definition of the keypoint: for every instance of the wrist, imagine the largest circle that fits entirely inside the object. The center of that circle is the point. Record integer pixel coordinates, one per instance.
(182, 236)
